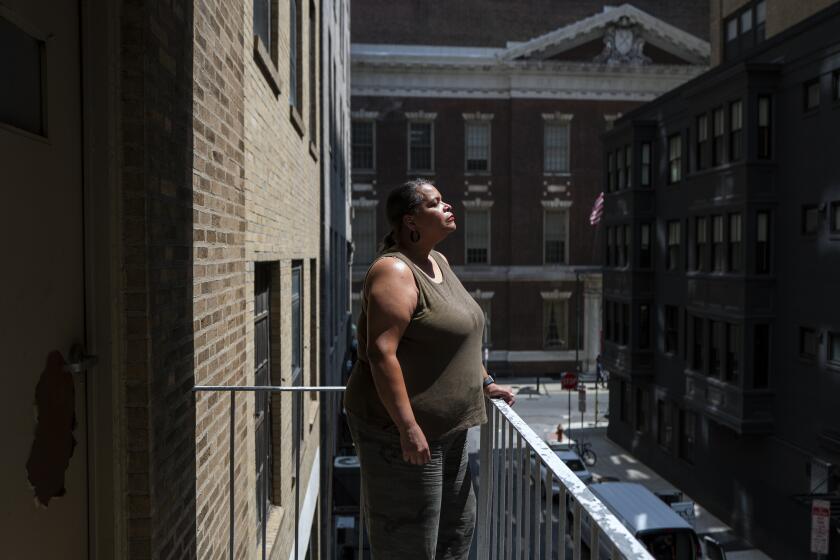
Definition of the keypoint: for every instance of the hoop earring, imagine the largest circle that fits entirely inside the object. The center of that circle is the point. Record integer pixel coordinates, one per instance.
(414, 236)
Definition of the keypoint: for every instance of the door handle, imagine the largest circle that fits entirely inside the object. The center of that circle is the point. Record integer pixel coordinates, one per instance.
(78, 361)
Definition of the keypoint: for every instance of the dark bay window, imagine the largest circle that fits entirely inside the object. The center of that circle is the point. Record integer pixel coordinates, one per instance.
(610, 246)
(641, 408)
(701, 147)
(834, 217)
(420, 141)
(644, 326)
(645, 171)
(715, 346)
(362, 134)
(810, 219)
(688, 435)
(664, 425)
(628, 165)
(736, 126)
(718, 145)
(701, 243)
(733, 352)
(807, 342)
(734, 252)
(718, 252)
(611, 172)
(674, 158)
(697, 355)
(626, 246)
(762, 243)
(811, 95)
(672, 328)
(834, 348)
(761, 356)
(672, 256)
(744, 29)
(622, 177)
(621, 247)
(644, 246)
(764, 127)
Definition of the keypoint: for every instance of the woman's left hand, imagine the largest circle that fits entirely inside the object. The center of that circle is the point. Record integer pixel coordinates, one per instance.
(503, 392)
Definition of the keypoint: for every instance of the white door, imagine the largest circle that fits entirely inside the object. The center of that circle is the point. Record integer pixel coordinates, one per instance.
(41, 284)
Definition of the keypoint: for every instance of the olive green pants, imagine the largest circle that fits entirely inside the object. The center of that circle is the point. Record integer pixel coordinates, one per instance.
(422, 512)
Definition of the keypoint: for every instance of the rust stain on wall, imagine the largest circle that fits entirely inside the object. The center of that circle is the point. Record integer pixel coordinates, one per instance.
(54, 442)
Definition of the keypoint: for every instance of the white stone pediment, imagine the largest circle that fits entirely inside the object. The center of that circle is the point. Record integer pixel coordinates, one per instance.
(624, 31)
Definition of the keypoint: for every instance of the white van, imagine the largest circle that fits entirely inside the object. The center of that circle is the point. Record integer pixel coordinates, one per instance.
(665, 534)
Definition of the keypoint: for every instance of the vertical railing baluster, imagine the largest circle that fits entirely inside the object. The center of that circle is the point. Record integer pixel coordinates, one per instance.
(499, 496)
(509, 482)
(536, 476)
(483, 485)
(549, 511)
(525, 453)
(593, 540)
(299, 429)
(518, 489)
(500, 485)
(562, 518)
(232, 454)
(267, 395)
(576, 512)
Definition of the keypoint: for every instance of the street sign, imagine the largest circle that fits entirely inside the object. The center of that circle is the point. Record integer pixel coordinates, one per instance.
(582, 401)
(820, 517)
(569, 380)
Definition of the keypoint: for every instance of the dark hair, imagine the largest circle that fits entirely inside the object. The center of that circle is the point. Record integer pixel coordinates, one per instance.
(401, 201)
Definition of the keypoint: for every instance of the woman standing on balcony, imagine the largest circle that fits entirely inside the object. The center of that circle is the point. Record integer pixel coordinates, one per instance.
(417, 387)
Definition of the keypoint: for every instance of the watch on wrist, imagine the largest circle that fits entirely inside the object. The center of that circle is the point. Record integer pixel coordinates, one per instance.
(488, 381)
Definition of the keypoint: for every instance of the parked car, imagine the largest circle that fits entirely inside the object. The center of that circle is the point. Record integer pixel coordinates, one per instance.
(570, 458)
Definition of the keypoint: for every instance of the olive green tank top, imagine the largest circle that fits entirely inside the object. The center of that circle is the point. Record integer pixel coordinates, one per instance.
(439, 354)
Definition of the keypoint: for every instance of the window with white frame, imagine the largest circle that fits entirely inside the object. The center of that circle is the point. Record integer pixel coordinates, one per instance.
(477, 145)
(363, 133)
(555, 146)
(477, 235)
(364, 234)
(555, 233)
(555, 322)
(420, 146)
(674, 158)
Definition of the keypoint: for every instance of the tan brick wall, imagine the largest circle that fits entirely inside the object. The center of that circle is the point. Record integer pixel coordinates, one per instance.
(780, 16)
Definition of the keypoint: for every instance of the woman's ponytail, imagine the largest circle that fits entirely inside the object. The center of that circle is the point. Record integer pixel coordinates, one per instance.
(401, 201)
(388, 242)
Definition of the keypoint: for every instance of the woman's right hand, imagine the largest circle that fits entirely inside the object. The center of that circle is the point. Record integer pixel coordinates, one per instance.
(415, 448)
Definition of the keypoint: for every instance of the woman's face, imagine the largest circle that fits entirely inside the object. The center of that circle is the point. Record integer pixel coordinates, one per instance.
(433, 216)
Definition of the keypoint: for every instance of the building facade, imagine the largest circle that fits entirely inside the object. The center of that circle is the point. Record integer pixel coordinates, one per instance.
(721, 330)
(505, 117)
(171, 155)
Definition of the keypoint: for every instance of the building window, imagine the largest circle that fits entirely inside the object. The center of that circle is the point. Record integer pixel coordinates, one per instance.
(625, 324)
(715, 346)
(554, 231)
(297, 351)
(701, 243)
(313, 73)
(718, 253)
(363, 135)
(626, 248)
(764, 127)
(717, 136)
(835, 217)
(699, 342)
(610, 246)
(744, 29)
(810, 219)
(262, 400)
(663, 424)
(420, 146)
(672, 256)
(807, 342)
(641, 410)
(645, 171)
(811, 95)
(672, 328)
(624, 401)
(736, 125)
(555, 147)
(834, 348)
(734, 243)
(622, 178)
(477, 236)
(674, 158)
(688, 435)
(702, 141)
(628, 165)
(262, 23)
(644, 246)
(555, 324)
(477, 146)
(364, 234)
(762, 243)
(733, 352)
(761, 356)
(610, 172)
(295, 53)
(644, 326)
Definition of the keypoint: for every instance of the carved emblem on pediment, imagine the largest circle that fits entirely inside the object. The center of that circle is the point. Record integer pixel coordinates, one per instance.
(623, 44)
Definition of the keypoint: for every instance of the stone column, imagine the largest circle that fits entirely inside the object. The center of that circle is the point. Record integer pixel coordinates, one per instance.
(592, 314)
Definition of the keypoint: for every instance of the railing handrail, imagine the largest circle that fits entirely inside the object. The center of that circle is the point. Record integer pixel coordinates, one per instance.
(619, 536)
(269, 388)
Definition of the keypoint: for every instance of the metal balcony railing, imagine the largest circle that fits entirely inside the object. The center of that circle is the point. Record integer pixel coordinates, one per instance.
(516, 519)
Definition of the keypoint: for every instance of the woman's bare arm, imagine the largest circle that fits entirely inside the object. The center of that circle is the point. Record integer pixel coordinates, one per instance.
(391, 301)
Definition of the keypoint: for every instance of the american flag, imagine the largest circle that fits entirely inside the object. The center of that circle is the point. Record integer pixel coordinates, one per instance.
(597, 210)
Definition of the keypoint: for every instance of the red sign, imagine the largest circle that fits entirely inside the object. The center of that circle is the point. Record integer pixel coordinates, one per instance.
(820, 520)
(569, 380)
